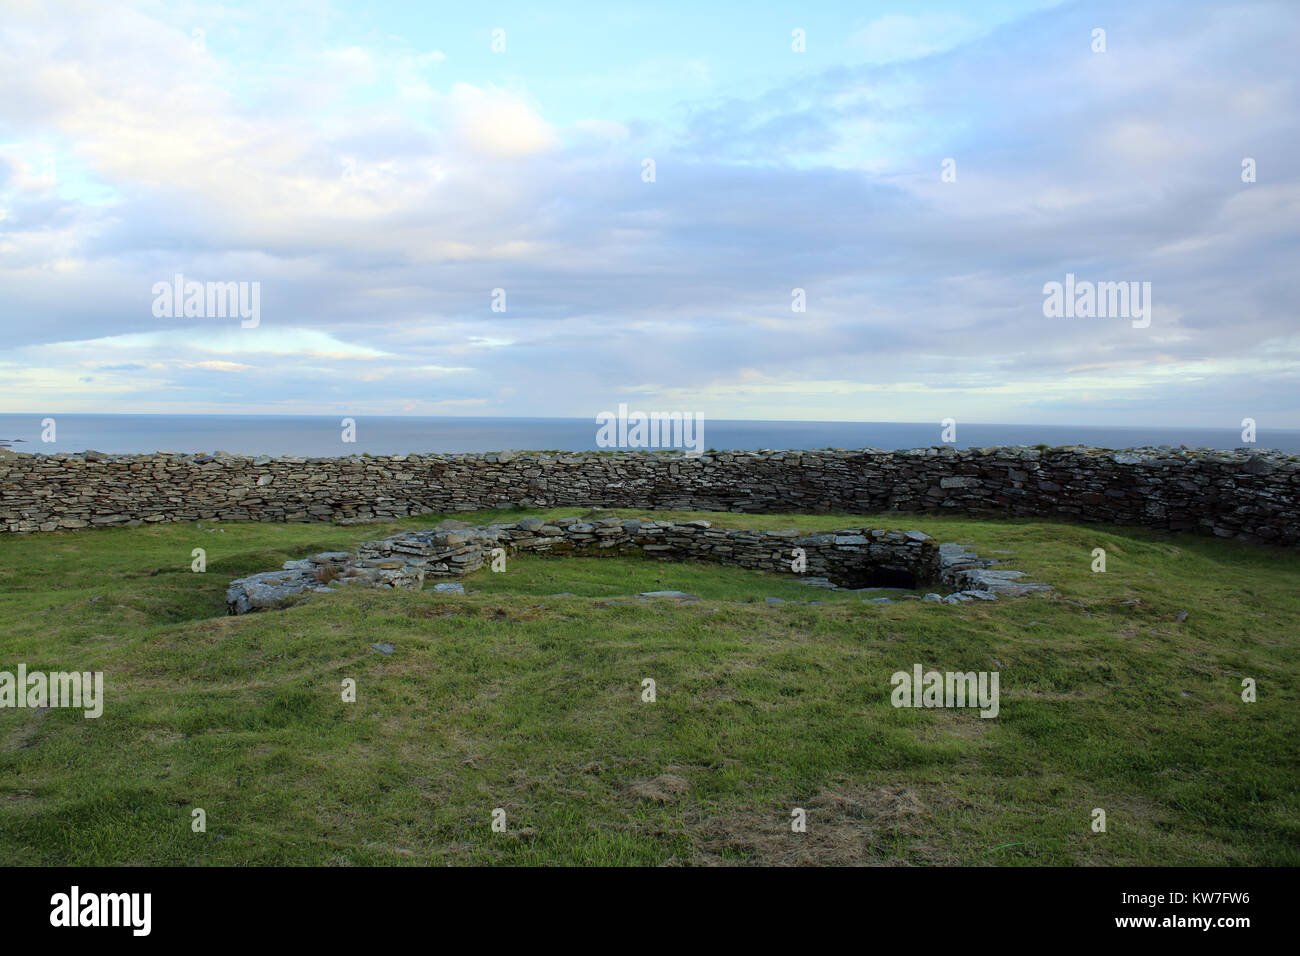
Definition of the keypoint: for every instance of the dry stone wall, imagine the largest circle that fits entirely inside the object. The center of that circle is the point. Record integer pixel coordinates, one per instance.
(1248, 495)
(849, 558)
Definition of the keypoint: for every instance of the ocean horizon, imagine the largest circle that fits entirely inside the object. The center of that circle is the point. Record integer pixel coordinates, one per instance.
(322, 435)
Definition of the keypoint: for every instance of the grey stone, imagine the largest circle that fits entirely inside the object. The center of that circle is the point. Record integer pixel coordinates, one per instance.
(333, 557)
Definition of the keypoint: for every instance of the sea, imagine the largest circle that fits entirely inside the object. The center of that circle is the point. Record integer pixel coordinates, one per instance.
(322, 435)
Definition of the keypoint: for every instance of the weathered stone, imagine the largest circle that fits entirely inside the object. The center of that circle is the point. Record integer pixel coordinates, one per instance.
(1247, 494)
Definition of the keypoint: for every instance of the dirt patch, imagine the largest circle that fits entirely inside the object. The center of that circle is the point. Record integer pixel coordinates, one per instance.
(441, 610)
(161, 738)
(664, 788)
(848, 825)
(1034, 693)
(949, 724)
(24, 736)
(717, 694)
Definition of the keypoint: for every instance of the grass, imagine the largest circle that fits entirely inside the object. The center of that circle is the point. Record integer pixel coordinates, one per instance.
(513, 698)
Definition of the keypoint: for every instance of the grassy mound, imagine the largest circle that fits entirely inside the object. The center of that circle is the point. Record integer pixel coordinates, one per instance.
(513, 698)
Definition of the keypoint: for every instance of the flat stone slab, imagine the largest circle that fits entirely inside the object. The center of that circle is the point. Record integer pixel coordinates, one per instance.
(270, 589)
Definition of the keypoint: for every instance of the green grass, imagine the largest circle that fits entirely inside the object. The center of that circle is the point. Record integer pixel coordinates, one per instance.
(512, 698)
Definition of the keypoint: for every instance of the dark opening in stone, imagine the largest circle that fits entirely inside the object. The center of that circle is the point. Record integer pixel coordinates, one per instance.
(875, 576)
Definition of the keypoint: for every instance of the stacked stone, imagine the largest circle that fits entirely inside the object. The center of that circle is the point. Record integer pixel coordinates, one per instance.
(1253, 496)
(406, 560)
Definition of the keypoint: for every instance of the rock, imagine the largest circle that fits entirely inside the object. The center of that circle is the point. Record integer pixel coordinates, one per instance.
(333, 557)
(270, 589)
(932, 597)
(384, 648)
(844, 558)
(1246, 494)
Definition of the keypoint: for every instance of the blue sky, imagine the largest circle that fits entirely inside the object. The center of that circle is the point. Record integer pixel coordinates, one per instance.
(379, 170)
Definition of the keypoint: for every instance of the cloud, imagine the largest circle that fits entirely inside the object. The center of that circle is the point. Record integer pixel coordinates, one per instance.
(499, 125)
(380, 190)
(895, 37)
(201, 335)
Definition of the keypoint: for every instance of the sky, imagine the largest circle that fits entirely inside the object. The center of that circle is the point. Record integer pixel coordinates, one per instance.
(920, 170)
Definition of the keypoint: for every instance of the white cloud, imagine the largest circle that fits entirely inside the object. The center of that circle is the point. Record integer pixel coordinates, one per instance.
(204, 335)
(498, 124)
(895, 37)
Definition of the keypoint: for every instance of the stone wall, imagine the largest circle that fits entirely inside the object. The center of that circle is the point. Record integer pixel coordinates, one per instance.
(1253, 496)
(853, 558)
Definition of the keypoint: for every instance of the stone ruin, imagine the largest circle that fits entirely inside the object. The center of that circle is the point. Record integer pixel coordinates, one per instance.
(848, 559)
